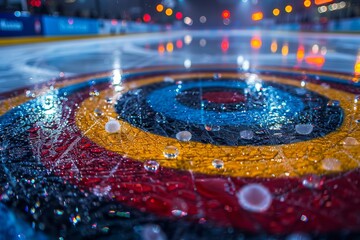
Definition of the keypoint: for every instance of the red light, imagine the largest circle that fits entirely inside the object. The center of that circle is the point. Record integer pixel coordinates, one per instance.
(225, 45)
(179, 44)
(35, 3)
(114, 22)
(178, 15)
(225, 14)
(147, 17)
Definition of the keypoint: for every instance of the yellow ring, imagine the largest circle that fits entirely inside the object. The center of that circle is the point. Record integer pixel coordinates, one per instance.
(295, 159)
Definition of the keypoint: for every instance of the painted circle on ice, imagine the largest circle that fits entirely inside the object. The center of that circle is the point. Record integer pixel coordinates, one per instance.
(130, 166)
(233, 106)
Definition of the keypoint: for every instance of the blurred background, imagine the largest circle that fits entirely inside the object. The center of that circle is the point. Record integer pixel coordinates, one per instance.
(113, 16)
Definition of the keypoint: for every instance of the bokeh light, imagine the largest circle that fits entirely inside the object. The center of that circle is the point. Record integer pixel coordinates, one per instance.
(288, 9)
(159, 8)
(276, 12)
(168, 12)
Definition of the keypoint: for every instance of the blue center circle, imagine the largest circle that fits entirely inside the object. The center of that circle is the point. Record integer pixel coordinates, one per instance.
(230, 112)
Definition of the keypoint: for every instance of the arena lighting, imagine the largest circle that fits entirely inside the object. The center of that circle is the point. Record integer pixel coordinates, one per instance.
(256, 42)
(178, 15)
(169, 12)
(320, 2)
(288, 9)
(276, 12)
(35, 3)
(225, 45)
(226, 14)
(159, 8)
(307, 3)
(257, 16)
(147, 17)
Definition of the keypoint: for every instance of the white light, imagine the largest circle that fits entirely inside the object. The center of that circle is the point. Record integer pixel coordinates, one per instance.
(202, 42)
(187, 39)
(117, 77)
(315, 49)
(187, 63)
(188, 21)
(226, 21)
(240, 60)
(322, 9)
(323, 50)
(246, 65)
(203, 19)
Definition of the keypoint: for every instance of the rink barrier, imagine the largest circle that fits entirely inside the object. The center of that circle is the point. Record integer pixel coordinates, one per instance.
(24, 25)
(20, 25)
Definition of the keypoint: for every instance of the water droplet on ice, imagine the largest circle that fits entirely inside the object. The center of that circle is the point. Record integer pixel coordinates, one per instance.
(333, 103)
(98, 112)
(350, 141)
(331, 164)
(151, 165)
(179, 208)
(152, 232)
(112, 126)
(109, 100)
(171, 152)
(217, 163)
(254, 197)
(247, 134)
(312, 181)
(304, 129)
(94, 93)
(304, 218)
(159, 118)
(357, 99)
(30, 94)
(212, 128)
(184, 136)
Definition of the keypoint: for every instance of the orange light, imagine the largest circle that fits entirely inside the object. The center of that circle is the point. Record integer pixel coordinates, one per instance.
(357, 69)
(285, 50)
(307, 3)
(300, 53)
(257, 16)
(276, 12)
(321, 2)
(170, 47)
(317, 60)
(225, 45)
(274, 46)
(225, 14)
(159, 7)
(169, 12)
(288, 9)
(161, 49)
(256, 43)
